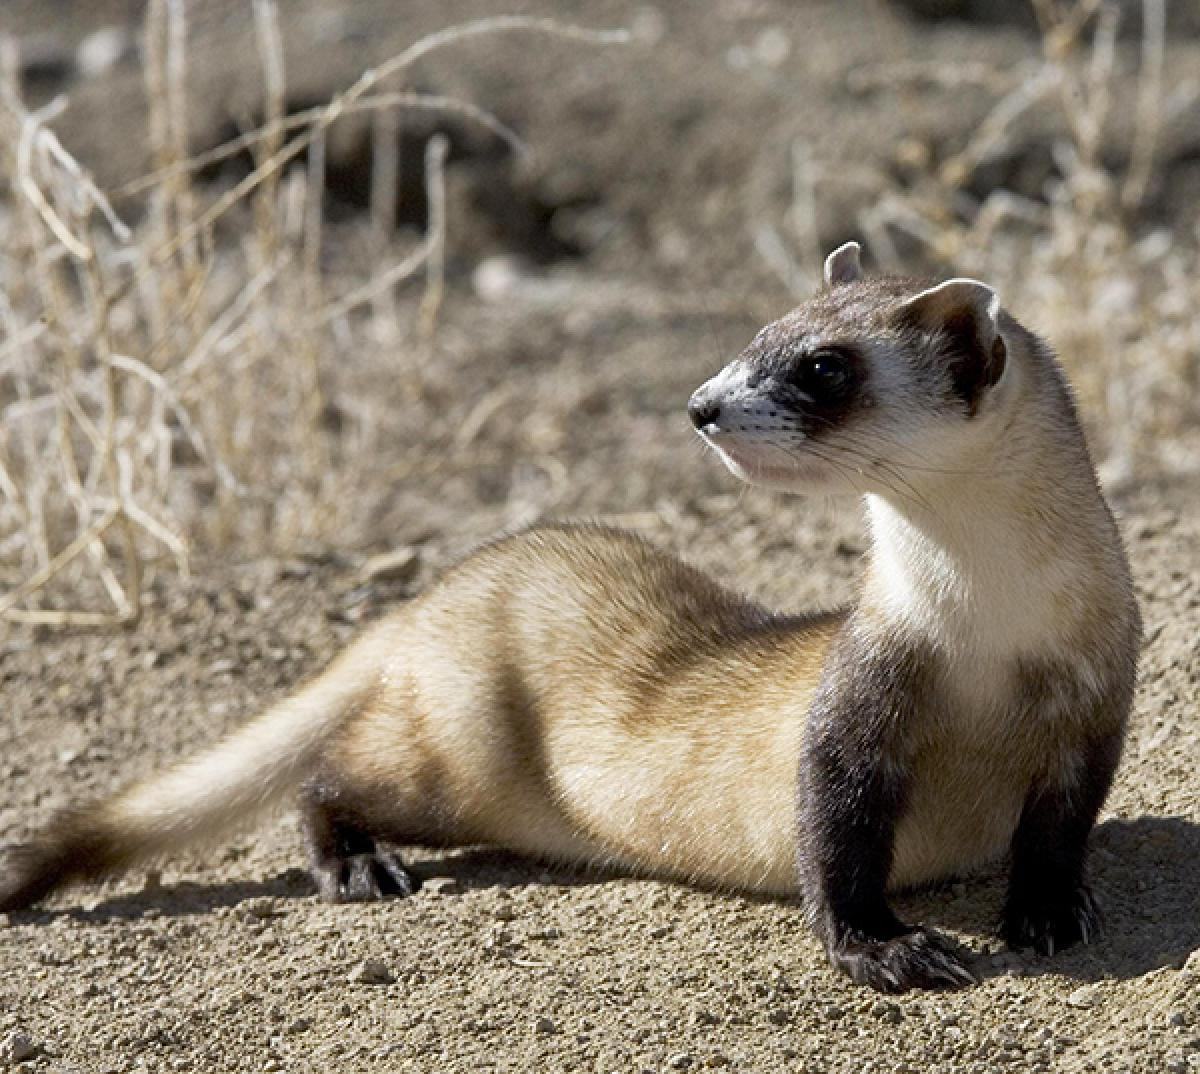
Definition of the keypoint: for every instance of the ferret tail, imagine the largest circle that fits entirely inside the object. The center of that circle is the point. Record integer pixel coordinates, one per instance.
(221, 788)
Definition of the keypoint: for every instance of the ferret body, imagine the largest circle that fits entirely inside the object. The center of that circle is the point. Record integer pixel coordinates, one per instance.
(574, 694)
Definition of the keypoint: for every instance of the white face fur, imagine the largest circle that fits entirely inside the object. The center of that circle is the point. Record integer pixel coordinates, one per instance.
(874, 385)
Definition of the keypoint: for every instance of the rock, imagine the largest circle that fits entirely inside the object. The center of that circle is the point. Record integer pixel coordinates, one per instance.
(261, 909)
(680, 1061)
(293, 568)
(887, 1011)
(17, 1047)
(103, 49)
(544, 1026)
(496, 278)
(371, 971)
(1083, 998)
(442, 885)
(779, 1016)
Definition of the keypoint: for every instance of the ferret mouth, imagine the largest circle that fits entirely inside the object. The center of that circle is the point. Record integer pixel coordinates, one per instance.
(769, 464)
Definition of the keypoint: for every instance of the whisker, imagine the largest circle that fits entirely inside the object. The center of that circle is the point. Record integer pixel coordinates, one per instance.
(889, 441)
(909, 492)
(880, 467)
(837, 464)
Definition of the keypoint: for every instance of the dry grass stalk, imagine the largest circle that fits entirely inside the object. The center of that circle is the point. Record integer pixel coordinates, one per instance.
(435, 263)
(148, 395)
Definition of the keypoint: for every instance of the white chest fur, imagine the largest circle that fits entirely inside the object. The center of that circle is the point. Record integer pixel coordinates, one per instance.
(996, 585)
(976, 580)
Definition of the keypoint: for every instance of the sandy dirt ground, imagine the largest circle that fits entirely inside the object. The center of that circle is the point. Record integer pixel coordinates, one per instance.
(571, 393)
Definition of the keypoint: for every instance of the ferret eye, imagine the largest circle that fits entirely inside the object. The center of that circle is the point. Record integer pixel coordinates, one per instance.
(824, 374)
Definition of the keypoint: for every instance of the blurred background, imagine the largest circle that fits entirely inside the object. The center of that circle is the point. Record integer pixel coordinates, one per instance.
(272, 284)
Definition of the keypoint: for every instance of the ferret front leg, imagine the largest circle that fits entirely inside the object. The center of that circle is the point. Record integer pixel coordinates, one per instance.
(852, 789)
(847, 821)
(1050, 905)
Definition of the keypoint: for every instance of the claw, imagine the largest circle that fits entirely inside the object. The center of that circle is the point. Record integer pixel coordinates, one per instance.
(399, 880)
(1051, 922)
(917, 959)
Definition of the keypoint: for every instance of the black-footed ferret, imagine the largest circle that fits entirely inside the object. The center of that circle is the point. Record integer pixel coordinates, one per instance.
(574, 694)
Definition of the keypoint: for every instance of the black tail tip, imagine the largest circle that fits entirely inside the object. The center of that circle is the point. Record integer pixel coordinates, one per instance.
(74, 846)
(28, 873)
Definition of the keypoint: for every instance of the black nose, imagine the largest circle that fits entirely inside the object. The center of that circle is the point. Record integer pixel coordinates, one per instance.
(703, 412)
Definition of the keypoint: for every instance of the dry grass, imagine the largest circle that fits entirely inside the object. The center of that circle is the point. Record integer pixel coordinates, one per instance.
(159, 387)
(1078, 264)
(173, 382)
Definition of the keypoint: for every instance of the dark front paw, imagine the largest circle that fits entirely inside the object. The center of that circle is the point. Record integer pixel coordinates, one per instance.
(1051, 922)
(920, 958)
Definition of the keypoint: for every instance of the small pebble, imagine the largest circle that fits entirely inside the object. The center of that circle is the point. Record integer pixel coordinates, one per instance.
(681, 1061)
(889, 1012)
(545, 1026)
(17, 1047)
(371, 971)
(1082, 998)
(261, 909)
(103, 49)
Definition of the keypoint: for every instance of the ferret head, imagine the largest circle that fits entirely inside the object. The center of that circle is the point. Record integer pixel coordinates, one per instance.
(869, 382)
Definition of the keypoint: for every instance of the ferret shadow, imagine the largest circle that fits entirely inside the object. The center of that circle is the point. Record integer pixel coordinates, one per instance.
(184, 898)
(1146, 875)
(1145, 872)
(468, 868)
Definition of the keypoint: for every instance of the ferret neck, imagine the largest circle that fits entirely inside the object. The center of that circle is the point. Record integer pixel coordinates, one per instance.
(997, 564)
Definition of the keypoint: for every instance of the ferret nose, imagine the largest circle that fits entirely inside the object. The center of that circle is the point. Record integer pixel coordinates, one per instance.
(703, 411)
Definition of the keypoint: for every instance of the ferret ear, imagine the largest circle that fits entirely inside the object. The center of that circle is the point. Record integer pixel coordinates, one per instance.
(842, 266)
(965, 314)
